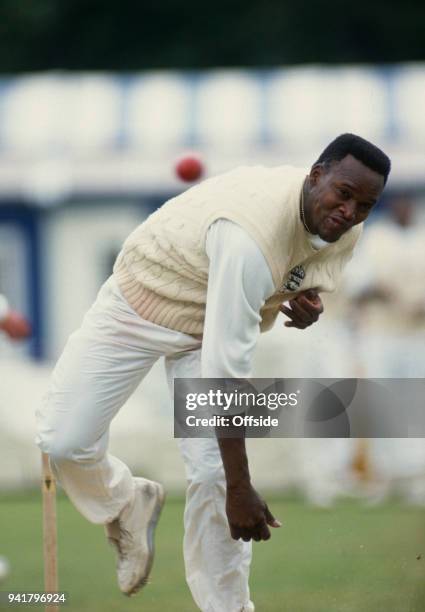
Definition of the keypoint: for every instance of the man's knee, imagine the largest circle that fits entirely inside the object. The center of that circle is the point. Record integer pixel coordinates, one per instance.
(61, 449)
(58, 450)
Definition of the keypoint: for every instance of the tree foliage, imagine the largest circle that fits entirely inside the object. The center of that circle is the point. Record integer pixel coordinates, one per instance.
(133, 35)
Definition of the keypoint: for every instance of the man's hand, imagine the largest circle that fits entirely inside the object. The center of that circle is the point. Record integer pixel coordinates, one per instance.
(15, 326)
(248, 514)
(304, 310)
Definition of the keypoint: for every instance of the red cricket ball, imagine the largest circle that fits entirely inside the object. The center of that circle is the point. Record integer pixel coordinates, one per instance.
(189, 168)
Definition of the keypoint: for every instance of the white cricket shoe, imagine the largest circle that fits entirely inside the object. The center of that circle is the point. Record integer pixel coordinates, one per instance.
(132, 535)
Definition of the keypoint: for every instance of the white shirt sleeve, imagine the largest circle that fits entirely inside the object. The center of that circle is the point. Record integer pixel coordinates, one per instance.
(4, 307)
(239, 282)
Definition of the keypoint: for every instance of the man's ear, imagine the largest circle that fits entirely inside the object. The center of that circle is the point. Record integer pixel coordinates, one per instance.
(316, 172)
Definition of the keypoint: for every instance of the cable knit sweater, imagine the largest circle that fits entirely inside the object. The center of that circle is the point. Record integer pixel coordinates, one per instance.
(162, 269)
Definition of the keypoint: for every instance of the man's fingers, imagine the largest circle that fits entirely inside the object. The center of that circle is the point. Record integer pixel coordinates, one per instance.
(247, 535)
(270, 519)
(235, 532)
(289, 313)
(265, 532)
(295, 324)
(311, 294)
(244, 534)
(295, 320)
(257, 533)
(304, 314)
(314, 305)
(303, 310)
(296, 312)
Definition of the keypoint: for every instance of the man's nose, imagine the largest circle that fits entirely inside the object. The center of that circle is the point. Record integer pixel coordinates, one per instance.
(349, 209)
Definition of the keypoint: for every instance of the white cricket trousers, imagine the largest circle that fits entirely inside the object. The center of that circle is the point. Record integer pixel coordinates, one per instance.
(102, 364)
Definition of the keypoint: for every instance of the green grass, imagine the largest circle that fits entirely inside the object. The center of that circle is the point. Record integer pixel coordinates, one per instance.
(347, 559)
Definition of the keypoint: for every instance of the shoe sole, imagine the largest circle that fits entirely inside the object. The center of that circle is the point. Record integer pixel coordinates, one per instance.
(150, 539)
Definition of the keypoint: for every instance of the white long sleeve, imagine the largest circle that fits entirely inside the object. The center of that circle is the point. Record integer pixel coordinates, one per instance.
(239, 282)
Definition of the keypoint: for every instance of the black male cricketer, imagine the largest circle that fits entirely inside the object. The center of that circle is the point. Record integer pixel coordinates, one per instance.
(195, 284)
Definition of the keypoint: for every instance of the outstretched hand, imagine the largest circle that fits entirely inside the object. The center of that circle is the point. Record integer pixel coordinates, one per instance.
(303, 310)
(248, 515)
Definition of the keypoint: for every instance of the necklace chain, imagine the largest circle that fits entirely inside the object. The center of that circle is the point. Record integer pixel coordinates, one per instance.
(302, 212)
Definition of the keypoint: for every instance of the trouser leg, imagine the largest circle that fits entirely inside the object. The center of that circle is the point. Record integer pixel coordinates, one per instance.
(217, 567)
(74, 424)
(101, 365)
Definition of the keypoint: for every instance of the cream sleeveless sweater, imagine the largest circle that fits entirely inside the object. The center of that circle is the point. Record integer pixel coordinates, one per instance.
(162, 269)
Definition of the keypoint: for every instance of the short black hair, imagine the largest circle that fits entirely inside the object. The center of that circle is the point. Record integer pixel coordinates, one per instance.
(363, 150)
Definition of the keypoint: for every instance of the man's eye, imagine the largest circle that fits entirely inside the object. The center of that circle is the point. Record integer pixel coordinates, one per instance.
(345, 194)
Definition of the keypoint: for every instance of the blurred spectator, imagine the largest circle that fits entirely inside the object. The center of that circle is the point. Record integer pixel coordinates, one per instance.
(387, 285)
(386, 282)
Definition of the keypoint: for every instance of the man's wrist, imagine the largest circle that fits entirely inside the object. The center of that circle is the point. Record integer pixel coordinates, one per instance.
(243, 484)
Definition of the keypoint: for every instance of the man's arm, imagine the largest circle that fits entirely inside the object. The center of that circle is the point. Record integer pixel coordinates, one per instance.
(247, 512)
(239, 283)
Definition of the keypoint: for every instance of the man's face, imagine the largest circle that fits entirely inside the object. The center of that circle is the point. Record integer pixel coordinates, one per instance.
(341, 195)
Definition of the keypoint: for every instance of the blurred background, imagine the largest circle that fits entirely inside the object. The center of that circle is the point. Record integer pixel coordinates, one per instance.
(97, 101)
